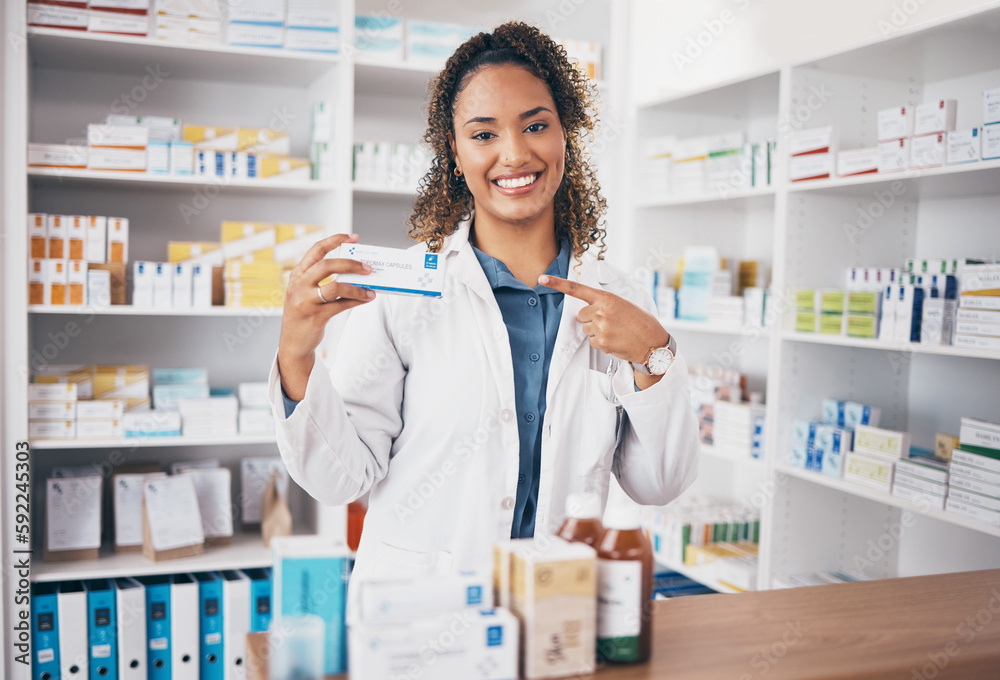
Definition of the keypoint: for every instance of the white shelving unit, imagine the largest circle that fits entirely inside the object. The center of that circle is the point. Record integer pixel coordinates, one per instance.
(66, 80)
(811, 522)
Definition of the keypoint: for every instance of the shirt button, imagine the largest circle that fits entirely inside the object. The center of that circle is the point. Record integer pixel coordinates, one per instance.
(506, 414)
(520, 478)
(530, 417)
(534, 356)
(508, 503)
(532, 301)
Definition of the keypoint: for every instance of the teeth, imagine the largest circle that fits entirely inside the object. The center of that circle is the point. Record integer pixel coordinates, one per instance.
(519, 182)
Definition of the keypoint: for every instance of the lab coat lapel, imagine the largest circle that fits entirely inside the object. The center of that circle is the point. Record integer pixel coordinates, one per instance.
(570, 334)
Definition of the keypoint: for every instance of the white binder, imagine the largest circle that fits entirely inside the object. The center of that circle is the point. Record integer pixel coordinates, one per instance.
(132, 661)
(73, 659)
(184, 627)
(236, 621)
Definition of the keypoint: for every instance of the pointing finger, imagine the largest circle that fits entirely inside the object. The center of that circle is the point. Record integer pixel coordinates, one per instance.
(571, 288)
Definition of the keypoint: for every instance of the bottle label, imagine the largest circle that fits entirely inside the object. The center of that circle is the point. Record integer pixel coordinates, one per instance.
(619, 599)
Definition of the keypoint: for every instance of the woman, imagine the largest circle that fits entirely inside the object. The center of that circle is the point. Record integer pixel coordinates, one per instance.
(540, 371)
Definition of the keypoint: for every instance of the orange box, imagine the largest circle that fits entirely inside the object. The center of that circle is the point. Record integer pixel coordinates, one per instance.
(76, 282)
(76, 236)
(117, 239)
(56, 282)
(36, 281)
(57, 229)
(38, 234)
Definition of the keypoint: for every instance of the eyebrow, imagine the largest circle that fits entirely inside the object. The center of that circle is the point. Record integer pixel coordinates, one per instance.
(489, 119)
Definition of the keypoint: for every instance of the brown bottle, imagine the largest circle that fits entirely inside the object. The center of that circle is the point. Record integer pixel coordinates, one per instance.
(624, 587)
(583, 519)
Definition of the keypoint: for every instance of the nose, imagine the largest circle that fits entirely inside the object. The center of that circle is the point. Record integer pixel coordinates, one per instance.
(514, 151)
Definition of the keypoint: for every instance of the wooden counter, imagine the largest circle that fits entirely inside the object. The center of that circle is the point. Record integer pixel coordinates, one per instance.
(922, 628)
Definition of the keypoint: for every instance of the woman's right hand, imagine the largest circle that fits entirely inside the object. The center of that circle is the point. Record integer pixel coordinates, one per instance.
(305, 315)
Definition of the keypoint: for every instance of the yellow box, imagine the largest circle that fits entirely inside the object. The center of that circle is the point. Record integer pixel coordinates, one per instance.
(831, 323)
(179, 251)
(862, 325)
(285, 168)
(833, 301)
(805, 299)
(233, 230)
(944, 444)
(80, 375)
(263, 140)
(56, 281)
(290, 232)
(121, 382)
(76, 282)
(238, 270)
(806, 322)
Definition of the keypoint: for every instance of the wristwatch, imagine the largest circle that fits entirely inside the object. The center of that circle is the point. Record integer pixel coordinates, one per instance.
(658, 359)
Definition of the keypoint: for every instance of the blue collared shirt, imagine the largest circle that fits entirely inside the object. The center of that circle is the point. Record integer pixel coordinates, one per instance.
(532, 316)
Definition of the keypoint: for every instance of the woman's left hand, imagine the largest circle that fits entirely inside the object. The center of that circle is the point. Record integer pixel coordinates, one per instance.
(614, 325)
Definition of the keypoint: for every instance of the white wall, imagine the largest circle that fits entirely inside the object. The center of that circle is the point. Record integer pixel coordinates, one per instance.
(679, 46)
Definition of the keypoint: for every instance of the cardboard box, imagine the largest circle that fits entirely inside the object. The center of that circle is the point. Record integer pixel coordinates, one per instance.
(991, 106)
(118, 23)
(812, 141)
(126, 160)
(36, 281)
(56, 282)
(811, 166)
(72, 519)
(936, 116)
(857, 162)
(66, 156)
(117, 136)
(894, 156)
(53, 16)
(97, 239)
(991, 142)
(895, 123)
(209, 138)
(927, 151)
(285, 168)
(58, 234)
(117, 239)
(964, 146)
(76, 291)
(117, 279)
(38, 235)
(56, 388)
(52, 410)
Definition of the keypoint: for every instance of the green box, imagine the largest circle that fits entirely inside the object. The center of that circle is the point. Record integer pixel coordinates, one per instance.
(831, 323)
(862, 325)
(805, 322)
(805, 299)
(832, 301)
(863, 302)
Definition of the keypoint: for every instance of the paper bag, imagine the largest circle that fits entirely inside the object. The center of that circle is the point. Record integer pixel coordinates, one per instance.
(276, 518)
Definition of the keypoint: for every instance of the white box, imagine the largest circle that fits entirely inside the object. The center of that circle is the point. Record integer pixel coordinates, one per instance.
(964, 146)
(312, 40)
(57, 156)
(991, 142)
(991, 106)
(183, 283)
(253, 395)
(52, 410)
(379, 38)
(936, 116)
(100, 409)
(58, 17)
(58, 235)
(56, 287)
(76, 282)
(254, 35)
(895, 123)
(312, 13)
(101, 158)
(104, 135)
(181, 158)
(258, 11)
(76, 237)
(894, 156)
(813, 140)
(97, 239)
(396, 271)
(201, 286)
(876, 441)
(52, 392)
(255, 421)
(927, 151)
(857, 162)
(107, 428)
(117, 239)
(163, 285)
(36, 281)
(406, 599)
(811, 166)
(52, 429)
(98, 288)
(143, 283)
(485, 647)
(118, 23)
(158, 157)
(207, 28)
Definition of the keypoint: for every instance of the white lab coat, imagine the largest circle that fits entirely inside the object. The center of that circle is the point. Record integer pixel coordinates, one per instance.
(419, 410)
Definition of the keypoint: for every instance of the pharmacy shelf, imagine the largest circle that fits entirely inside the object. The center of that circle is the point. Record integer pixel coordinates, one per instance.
(117, 179)
(734, 199)
(902, 347)
(129, 310)
(886, 499)
(151, 442)
(378, 191)
(739, 94)
(969, 179)
(740, 457)
(679, 325)
(695, 574)
(104, 53)
(245, 551)
(399, 79)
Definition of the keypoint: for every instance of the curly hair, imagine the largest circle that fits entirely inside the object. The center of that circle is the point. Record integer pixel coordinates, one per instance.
(444, 200)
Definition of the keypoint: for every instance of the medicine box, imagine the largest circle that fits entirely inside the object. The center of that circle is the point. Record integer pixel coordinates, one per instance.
(991, 142)
(58, 232)
(964, 146)
(857, 162)
(811, 141)
(52, 410)
(480, 644)
(873, 440)
(894, 156)
(254, 34)
(379, 37)
(36, 281)
(874, 471)
(991, 106)
(811, 166)
(100, 409)
(401, 600)
(927, 151)
(397, 271)
(56, 282)
(118, 23)
(936, 116)
(554, 596)
(895, 123)
(58, 156)
(38, 235)
(116, 159)
(117, 136)
(76, 236)
(53, 391)
(96, 248)
(117, 239)
(52, 429)
(76, 282)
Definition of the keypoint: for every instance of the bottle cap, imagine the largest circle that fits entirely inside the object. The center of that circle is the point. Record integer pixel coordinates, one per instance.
(583, 506)
(622, 515)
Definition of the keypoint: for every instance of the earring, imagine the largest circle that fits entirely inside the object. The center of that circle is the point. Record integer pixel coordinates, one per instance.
(458, 171)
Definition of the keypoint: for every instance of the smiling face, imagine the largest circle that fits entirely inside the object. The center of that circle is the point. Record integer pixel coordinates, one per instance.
(509, 144)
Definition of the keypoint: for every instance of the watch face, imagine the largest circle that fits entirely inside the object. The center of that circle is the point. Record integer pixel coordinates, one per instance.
(660, 360)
